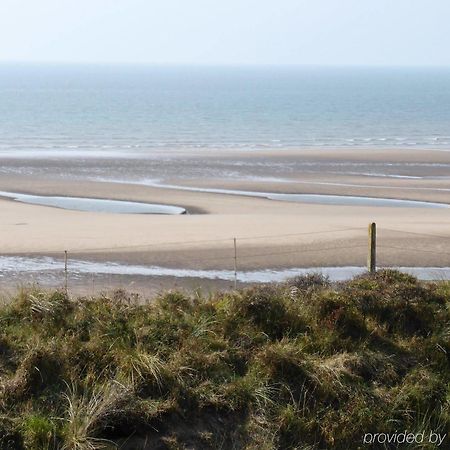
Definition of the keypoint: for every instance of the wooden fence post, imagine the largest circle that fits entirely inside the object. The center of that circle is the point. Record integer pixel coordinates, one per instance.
(235, 264)
(372, 257)
(65, 271)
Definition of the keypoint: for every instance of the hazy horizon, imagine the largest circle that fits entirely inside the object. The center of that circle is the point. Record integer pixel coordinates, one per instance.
(213, 65)
(405, 33)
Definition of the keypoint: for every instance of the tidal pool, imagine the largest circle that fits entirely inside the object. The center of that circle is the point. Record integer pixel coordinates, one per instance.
(94, 204)
(318, 199)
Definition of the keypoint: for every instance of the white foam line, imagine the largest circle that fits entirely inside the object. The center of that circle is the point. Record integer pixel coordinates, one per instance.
(13, 265)
(69, 154)
(386, 175)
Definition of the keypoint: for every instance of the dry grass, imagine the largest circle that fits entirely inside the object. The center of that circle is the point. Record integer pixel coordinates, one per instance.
(299, 365)
(87, 414)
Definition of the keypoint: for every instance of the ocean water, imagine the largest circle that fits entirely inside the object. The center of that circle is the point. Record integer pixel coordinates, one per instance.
(127, 110)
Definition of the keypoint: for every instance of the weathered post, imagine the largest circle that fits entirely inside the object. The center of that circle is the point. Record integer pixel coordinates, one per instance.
(372, 257)
(65, 271)
(235, 264)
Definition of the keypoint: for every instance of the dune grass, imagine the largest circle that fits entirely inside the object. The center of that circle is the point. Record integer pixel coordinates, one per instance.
(301, 365)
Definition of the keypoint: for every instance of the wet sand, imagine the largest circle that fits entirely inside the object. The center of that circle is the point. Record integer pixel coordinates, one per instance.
(270, 234)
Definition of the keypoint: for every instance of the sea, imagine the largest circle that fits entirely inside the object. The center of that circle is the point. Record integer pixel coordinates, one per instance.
(65, 109)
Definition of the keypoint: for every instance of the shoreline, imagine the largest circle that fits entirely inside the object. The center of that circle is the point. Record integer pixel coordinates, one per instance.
(257, 150)
(270, 232)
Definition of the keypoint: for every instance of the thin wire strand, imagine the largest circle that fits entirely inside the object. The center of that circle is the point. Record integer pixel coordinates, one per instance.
(417, 250)
(249, 256)
(212, 240)
(229, 257)
(302, 251)
(145, 246)
(417, 234)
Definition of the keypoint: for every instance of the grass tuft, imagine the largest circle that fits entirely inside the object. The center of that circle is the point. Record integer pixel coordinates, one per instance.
(305, 364)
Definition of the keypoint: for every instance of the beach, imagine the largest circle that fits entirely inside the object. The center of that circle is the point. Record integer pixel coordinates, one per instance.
(224, 225)
(270, 234)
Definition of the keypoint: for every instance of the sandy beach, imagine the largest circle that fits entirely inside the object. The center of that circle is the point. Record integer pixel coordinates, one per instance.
(270, 234)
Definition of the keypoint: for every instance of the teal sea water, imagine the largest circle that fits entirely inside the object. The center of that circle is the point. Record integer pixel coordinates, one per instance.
(140, 109)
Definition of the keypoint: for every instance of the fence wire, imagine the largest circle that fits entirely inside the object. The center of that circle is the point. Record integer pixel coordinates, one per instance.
(205, 256)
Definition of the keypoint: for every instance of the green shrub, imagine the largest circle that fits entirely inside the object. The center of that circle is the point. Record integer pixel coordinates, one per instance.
(337, 313)
(306, 364)
(296, 429)
(420, 391)
(40, 433)
(269, 310)
(307, 283)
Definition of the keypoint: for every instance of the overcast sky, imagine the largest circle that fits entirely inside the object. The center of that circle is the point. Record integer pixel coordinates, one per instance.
(330, 32)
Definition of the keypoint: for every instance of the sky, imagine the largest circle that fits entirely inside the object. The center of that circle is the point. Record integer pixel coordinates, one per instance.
(209, 32)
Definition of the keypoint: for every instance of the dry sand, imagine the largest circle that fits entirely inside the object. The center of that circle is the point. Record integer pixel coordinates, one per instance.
(270, 234)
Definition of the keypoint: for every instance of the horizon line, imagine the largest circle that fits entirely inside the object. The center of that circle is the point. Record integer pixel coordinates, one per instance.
(222, 64)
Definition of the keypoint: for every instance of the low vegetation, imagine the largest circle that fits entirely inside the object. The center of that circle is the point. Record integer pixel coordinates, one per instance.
(301, 365)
